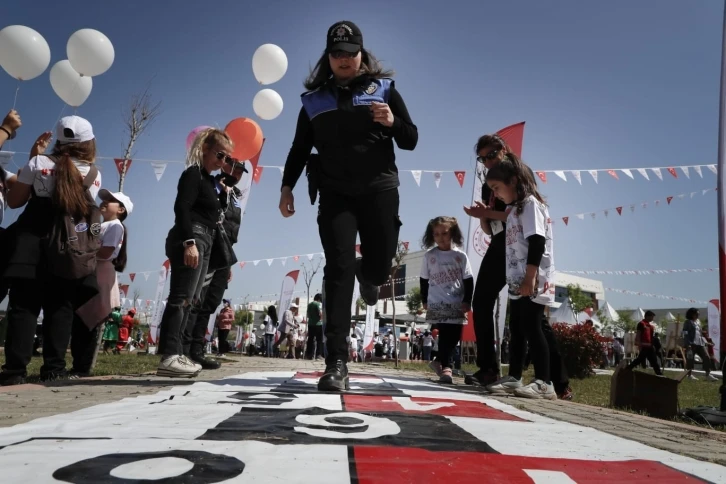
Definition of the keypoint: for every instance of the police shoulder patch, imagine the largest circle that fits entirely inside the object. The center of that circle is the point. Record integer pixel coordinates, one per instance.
(95, 230)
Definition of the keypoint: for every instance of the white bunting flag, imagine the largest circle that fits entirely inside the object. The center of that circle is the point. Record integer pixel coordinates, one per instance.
(576, 175)
(713, 169)
(283, 260)
(643, 173)
(657, 173)
(561, 174)
(138, 302)
(632, 208)
(645, 205)
(657, 203)
(310, 256)
(684, 169)
(581, 216)
(282, 170)
(681, 196)
(593, 215)
(605, 212)
(693, 193)
(697, 169)
(269, 261)
(416, 176)
(255, 262)
(159, 169)
(629, 173)
(146, 275)
(593, 173)
(437, 178)
(706, 191)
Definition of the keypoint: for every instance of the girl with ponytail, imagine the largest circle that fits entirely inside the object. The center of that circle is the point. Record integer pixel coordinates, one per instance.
(56, 185)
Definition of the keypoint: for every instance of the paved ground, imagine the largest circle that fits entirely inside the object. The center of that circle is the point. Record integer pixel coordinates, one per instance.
(23, 403)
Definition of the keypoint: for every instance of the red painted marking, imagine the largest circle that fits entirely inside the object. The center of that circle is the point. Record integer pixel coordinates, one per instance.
(461, 408)
(395, 465)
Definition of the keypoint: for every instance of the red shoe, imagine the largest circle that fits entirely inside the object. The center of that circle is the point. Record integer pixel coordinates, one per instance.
(566, 395)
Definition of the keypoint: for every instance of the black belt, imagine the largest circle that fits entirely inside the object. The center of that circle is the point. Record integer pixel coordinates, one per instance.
(207, 230)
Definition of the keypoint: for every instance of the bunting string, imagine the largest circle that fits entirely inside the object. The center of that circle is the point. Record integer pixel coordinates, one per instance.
(644, 272)
(657, 296)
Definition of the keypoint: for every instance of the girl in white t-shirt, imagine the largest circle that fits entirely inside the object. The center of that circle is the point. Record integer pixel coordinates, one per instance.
(56, 185)
(447, 286)
(530, 271)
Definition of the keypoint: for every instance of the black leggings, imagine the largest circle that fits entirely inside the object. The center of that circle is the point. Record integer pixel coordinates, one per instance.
(525, 326)
(489, 283)
(449, 336)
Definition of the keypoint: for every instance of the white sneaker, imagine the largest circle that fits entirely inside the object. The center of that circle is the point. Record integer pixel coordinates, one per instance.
(537, 389)
(175, 366)
(189, 361)
(504, 386)
(436, 366)
(691, 377)
(710, 377)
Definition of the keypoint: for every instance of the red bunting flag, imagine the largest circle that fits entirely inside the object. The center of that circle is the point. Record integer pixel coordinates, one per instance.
(120, 165)
(542, 176)
(148, 302)
(672, 171)
(668, 199)
(167, 264)
(357, 248)
(257, 174)
(405, 245)
(242, 265)
(124, 289)
(132, 275)
(565, 219)
(613, 174)
(460, 177)
(296, 258)
(620, 210)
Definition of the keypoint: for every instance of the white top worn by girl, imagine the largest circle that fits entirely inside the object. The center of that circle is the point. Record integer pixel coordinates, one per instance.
(40, 173)
(445, 270)
(112, 235)
(534, 220)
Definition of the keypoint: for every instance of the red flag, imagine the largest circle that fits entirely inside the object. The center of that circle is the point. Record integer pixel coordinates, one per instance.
(257, 174)
(132, 275)
(296, 258)
(357, 248)
(123, 288)
(514, 136)
(293, 275)
(620, 210)
(120, 165)
(167, 264)
(565, 219)
(256, 159)
(613, 174)
(242, 265)
(460, 176)
(668, 199)
(542, 176)
(405, 245)
(672, 171)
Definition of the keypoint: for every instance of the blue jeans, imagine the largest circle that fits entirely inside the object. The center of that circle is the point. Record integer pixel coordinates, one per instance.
(269, 343)
(185, 287)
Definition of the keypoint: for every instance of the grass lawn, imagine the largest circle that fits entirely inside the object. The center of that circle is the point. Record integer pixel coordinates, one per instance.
(596, 389)
(123, 364)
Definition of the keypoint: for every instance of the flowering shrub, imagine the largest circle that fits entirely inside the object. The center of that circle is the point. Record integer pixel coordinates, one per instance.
(580, 347)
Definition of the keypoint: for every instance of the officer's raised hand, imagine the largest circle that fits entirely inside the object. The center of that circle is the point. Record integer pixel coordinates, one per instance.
(382, 114)
(287, 202)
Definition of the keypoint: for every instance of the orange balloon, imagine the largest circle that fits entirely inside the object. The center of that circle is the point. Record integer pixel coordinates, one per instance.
(247, 138)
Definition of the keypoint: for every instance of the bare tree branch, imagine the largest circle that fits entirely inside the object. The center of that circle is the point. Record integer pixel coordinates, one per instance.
(140, 114)
(309, 274)
(401, 252)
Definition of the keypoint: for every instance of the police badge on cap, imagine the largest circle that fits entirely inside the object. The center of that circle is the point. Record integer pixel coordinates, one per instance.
(345, 36)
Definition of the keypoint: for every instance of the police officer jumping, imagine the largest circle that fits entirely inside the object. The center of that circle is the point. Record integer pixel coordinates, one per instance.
(351, 114)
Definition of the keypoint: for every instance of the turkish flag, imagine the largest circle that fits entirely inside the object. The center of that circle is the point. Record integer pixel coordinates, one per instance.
(132, 276)
(514, 137)
(620, 210)
(460, 177)
(542, 176)
(565, 219)
(672, 171)
(120, 165)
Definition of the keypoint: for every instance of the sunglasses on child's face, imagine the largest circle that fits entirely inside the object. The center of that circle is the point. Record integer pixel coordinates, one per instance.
(221, 155)
(489, 156)
(235, 165)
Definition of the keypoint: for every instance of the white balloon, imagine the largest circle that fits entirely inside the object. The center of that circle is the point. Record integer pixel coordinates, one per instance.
(69, 85)
(90, 52)
(269, 64)
(267, 104)
(24, 53)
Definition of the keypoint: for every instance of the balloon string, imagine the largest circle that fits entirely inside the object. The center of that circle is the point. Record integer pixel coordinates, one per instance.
(15, 101)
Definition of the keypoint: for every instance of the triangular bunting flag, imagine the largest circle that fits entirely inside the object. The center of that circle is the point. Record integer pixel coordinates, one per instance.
(560, 174)
(643, 173)
(460, 177)
(593, 215)
(565, 219)
(593, 173)
(576, 174)
(613, 174)
(159, 169)
(120, 165)
(416, 177)
(657, 203)
(684, 169)
(257, 174)
(645, 205)
(132, 276)
(605, 212)
(357, 248)
(697, 169)
(542, 176)
(672, 171)
(138, 301)
(628, 173)
(242, 265)
(581, 216)
(668, 199)
(255, 262)
(269, 262)
(657, 173)
(437, 178)
(282, 170)
(693, 193)
(5, 157)
(620, 210)
(310, 256)
(682, 196)
(296, 258)
(284, 261)
(405, 245)
(146, 276)
(705, 191)
(713, 169)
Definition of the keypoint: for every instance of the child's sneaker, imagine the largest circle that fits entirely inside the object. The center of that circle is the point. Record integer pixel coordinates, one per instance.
(538, 390)
(504, 386)
(436, 366)
(175, 366)
(446, 376)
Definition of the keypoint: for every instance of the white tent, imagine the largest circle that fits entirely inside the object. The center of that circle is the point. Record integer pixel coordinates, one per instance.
(610, 312)
(670, 317)
(563, 314)
(638, 315)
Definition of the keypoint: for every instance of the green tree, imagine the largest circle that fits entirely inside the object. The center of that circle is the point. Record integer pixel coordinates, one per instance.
(360, 303)
(414, 303)
(243, 317)
(625, 323)
(578, 300)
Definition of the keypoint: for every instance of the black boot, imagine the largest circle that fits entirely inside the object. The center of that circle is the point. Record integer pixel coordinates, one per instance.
(335, 378)
(368, 292)
(197, 356)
